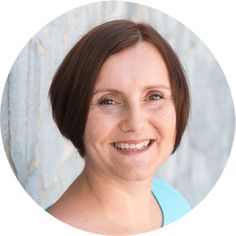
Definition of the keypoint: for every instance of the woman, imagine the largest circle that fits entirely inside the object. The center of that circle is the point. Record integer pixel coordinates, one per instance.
(121, 97)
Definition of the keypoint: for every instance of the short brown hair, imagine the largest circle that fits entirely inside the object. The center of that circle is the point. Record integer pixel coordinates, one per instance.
(71, 89)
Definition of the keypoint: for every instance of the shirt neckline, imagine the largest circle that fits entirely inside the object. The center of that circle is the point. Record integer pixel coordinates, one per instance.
(162, 213)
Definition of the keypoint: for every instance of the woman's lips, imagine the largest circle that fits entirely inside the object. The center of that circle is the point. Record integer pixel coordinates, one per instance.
(133, 146)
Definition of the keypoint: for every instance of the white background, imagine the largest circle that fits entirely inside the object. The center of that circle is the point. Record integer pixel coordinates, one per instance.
(212, 21)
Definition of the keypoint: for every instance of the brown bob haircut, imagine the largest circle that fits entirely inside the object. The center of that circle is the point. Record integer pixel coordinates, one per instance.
(72, 86)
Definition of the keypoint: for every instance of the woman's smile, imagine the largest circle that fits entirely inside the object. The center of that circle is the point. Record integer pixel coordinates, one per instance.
(133, 147)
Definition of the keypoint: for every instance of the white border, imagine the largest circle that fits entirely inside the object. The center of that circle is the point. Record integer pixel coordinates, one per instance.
(212, 21)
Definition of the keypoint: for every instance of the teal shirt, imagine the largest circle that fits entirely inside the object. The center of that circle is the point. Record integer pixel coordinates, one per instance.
(171, 202)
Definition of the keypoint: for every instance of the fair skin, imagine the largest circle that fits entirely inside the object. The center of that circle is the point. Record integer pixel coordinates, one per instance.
(130, 132)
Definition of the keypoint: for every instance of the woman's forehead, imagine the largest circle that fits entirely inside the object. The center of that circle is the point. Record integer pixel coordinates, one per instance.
(141, 64)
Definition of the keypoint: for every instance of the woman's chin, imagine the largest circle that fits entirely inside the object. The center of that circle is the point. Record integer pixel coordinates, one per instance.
(136, 175)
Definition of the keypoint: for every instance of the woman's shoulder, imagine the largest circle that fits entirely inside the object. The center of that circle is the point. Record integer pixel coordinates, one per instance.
(173, 204)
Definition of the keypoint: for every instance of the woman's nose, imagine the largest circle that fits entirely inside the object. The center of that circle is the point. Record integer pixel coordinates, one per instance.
(133, 119)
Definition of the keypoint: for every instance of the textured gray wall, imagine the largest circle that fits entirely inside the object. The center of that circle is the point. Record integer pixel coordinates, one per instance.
(45, 163)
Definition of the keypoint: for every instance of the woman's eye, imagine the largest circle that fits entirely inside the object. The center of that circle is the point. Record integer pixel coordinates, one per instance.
(107, 102)
(155, 97)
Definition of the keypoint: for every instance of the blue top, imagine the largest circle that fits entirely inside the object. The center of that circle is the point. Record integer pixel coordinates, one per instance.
(171, 202)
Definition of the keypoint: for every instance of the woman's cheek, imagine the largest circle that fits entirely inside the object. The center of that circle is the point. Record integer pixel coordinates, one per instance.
(164, 115)
(98, 123)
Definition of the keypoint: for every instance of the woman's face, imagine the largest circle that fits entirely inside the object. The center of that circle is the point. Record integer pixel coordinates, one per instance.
(131, 125)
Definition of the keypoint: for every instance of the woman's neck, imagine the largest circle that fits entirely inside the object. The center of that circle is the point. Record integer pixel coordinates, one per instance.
(129, 205)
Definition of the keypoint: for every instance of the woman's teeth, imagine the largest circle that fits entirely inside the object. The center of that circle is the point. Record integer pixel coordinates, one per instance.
(132, 147)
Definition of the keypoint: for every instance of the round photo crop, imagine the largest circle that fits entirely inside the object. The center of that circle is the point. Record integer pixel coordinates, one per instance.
(113, 109)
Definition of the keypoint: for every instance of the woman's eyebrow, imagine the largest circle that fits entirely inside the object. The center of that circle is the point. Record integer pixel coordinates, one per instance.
(157, 86)
(103, 90)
